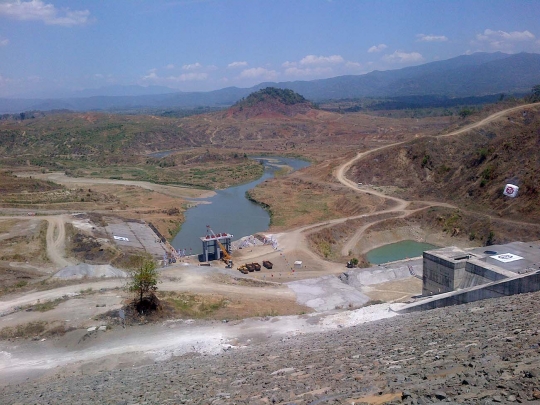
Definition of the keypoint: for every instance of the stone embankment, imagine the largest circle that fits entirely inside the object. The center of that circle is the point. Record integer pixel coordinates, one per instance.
(483, 352)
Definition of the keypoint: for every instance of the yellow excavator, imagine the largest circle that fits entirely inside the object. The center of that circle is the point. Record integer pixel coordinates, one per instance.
(226, 257)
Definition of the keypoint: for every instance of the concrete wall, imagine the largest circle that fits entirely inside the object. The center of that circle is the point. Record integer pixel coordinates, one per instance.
(518, 285)
(376, 275)
(441, 275)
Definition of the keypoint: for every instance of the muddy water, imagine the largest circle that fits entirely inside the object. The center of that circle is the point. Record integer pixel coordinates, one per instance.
(230, 211)
(397, 251)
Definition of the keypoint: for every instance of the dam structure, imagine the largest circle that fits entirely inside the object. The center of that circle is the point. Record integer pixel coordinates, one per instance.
(452, 276)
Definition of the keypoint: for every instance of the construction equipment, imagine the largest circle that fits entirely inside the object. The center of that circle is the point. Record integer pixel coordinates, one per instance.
(243, 269)
(226, 257)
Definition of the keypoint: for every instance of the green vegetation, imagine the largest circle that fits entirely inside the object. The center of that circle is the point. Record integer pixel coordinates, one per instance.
(535, 96)
(284, 96)
(23, 331)
(37, 329)
(144, 278)
(46, 306)
(191, 305)
(465, 112)
(426, 161)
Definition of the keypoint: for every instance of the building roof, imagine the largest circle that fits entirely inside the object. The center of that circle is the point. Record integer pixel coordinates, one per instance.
(518, 257)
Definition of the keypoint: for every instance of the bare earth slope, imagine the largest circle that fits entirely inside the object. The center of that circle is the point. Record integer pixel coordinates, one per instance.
(469, 167)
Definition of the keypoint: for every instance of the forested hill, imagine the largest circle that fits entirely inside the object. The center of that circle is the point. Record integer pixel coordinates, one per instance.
(270, 101)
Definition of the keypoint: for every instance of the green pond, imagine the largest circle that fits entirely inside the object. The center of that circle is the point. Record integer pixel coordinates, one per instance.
(397, 251)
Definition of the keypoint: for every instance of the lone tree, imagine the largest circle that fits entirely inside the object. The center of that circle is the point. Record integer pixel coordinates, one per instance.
(143, 282)
(535, 97)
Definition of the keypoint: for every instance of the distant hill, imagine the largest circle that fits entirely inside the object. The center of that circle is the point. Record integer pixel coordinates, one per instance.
(478, 74)
(270, 102)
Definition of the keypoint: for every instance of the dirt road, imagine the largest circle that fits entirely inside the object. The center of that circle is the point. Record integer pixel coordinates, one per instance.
(56, 241)
(402, 204)
(173, 191)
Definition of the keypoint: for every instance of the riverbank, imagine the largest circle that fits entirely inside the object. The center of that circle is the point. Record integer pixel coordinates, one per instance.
(230, 210)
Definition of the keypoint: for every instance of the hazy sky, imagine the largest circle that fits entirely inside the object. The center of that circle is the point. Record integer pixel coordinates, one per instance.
(48, 46)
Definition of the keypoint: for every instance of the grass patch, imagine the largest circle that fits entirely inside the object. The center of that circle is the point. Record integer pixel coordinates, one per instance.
(46, 306)
(34, 330)
(26, 330)
(192, 305)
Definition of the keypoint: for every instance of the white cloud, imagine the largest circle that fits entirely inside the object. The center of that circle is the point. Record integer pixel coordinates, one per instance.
(504, 41)
(322, 60)
(238, 64)
(259, 72)
(4, 42)
(308, 72)
(431, 38)
(403, 57)
(37, 10)
(188, 77)
(193, 66)
(153, 77)
(353, 65)
(490, 35)
(169, 66)
(377, 48)
(288, 64)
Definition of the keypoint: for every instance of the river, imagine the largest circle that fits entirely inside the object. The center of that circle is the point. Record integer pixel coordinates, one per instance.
(230, 211)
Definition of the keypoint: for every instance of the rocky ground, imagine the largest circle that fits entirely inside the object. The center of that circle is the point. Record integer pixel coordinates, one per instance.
(483, 352)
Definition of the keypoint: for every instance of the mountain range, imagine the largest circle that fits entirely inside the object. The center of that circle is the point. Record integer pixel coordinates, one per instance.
(477, 74)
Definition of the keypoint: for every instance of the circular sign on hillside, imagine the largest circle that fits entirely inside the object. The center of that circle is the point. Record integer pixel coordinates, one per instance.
(511, 190)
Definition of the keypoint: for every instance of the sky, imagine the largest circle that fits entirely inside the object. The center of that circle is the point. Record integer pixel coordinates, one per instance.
(51, 47)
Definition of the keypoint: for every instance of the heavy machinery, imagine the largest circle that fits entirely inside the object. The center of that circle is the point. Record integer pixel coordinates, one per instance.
(226, 257)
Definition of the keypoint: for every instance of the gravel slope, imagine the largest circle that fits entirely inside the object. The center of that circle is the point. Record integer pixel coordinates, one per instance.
(482, 352)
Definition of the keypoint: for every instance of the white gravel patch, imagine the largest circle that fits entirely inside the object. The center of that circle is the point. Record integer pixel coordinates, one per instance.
(90, 271)
(359, 316)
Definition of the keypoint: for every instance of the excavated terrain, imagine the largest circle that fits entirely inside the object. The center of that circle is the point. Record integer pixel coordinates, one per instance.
(483, 352)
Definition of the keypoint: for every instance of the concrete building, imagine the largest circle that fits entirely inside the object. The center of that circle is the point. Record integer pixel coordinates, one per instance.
(453, 276)
(449, 269)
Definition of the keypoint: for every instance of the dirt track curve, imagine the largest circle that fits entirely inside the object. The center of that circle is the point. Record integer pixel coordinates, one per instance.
(402, 204)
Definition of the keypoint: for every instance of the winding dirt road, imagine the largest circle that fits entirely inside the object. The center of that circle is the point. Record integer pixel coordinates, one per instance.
(402, 204)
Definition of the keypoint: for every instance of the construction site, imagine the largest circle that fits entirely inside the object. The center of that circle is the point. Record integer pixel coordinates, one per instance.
(66, 305)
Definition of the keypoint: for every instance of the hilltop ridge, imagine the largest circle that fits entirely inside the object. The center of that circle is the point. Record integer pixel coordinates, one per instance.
(270, 102)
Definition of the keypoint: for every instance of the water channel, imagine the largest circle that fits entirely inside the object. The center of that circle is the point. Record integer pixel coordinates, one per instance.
(230, 211)
(397, 251)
